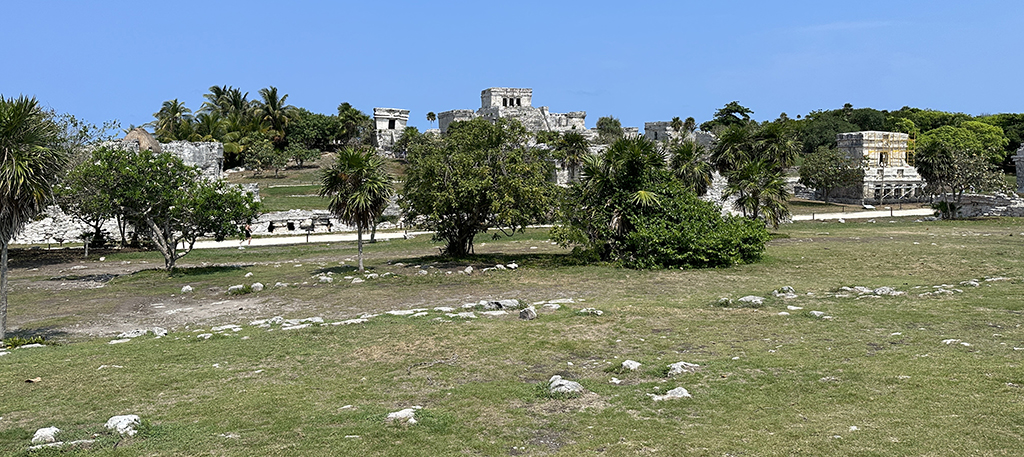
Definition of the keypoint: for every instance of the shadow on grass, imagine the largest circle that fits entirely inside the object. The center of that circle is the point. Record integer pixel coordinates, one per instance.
(39, 257)
(201, 271)
(48, 333)
(339, 269)
(534, 260)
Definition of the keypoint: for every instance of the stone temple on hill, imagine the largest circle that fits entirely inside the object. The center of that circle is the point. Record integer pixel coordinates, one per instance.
(516, 103)
(888, 176)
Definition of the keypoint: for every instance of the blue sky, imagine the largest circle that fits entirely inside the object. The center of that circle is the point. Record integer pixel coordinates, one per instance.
(638, 61)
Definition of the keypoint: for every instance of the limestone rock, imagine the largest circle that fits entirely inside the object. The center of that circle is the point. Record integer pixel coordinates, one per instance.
(469, 270)
(682, 367)
(405, 416)
(257, 287)
(186, 289)
(528, 314)
(590, 312)
(631, 365)
(45, 435)
(326, 279)
(236, 288)
(752, 300)
(557, 385)
(673, 394)
(358, 280)
(124, 425)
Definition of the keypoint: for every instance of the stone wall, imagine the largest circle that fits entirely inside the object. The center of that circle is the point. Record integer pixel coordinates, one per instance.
(207, 157)
(1019, 160)
(516, 103)
(988, 205)
(389, 123)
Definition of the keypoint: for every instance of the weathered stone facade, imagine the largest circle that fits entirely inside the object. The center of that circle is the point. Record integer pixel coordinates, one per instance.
(989, 205)
(389, 123)
(208, 157)
(888, 177)
(516, 103)
(1019, 160)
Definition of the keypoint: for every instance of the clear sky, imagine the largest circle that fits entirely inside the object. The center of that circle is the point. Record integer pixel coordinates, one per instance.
(639, 61)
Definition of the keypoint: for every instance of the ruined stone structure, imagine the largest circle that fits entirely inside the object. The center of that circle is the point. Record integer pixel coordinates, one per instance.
(888, 177)
(516, 103)
(990, 205)
(208, 157)
(1019, 160)
(389, 123)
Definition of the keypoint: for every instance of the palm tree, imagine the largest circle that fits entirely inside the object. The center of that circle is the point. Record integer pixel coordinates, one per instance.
(677, 126)
(689, 165)
(572, 147)
(761, 191)
(360, 189)
(431, 117)
(273, 111)
(170, 119)
(29, 165)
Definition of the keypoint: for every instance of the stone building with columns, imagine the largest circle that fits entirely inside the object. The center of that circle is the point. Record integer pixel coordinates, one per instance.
(888, 175)
(516, 103)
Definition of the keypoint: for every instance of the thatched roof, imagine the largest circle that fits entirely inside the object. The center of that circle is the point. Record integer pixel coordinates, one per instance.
(144, 138)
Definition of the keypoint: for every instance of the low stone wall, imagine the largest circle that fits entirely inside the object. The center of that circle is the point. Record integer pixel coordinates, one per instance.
(988, 205)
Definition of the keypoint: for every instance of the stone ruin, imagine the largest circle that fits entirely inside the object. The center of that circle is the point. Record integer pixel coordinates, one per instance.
(1019, 161)
(516, 103)
(888, 176)
(388, 123)
(208, 157)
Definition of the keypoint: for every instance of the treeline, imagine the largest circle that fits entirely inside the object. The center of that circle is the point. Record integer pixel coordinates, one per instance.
(263, 133)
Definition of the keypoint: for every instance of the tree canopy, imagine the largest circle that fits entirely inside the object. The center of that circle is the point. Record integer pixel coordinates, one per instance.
(476, 177)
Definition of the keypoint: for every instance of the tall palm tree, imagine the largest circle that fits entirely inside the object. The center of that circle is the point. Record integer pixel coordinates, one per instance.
(170, 119)
(360, 189)
(573, 147)
(30, 162)
(273, 111)
(431, 117)
(689, 165)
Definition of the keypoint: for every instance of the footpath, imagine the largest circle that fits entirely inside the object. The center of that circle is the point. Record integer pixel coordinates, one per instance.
(878, 213)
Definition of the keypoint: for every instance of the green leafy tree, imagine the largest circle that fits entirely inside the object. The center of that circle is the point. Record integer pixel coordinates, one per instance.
(360, 189)
(828, 169)
(972, 136)
(629, 208)
(301, 154)
(732, 114)
(760, 191)
(677, 124)
(951, 169)
(315, 131)
(571, 147)
(261, 155)
(477, 177)
(753, 158)
(31, 159)
(173, 206)
(357, 127)
(609, 129)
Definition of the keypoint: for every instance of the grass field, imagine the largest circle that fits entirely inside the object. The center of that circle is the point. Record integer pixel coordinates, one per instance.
(881, 377)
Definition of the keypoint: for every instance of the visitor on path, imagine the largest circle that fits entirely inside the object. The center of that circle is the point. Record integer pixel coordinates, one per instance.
(248, 235)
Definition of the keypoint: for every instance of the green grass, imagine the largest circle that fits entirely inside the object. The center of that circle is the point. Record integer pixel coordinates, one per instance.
(768, 384)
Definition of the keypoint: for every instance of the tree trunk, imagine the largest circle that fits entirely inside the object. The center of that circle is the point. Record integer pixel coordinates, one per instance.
(3, 290)
(359, 243)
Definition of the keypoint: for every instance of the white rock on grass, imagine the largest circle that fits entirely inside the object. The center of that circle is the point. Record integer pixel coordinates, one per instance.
(422, 272)
(512, 266)
(794, 308)
(528, 314)
(186, 289)
(465, 315)
(494, 313)
(590, 312)
(280, 285)
(818, 313)
(124, 425)
(358, 280)
(673, 394)
(406, 416)
(326, 279)
(122, 340)
(248, 275)
(444, 309)
(682, 367)
(45, 435)
(352, 321)
(402, 312)
(557, 385)
(257, 287)
(631, 365)
(296, 327)
(468, 270)
(236, 288)
(752, 299)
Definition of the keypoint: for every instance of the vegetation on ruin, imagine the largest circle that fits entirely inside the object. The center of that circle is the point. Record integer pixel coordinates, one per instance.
(876, 379)
(828, 169)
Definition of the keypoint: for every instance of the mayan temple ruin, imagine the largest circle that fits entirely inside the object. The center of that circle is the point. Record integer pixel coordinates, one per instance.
(888, 176)
(515, 103)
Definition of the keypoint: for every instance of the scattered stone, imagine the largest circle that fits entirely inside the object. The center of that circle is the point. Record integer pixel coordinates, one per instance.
(280, 285)
(615, 381)
(248, 275)
(419, 314)
(829, 379)
(352, 321)
(818, 313)
(232, 327)
(45, 435)
(500, 267)
(465, 315)
(794, 308)
(133, 333)
(422, 272)
(557, 385)
(326, 279)
(682, 367)
(863, 290)
(122, 340)
(358, 281)
(296, 327)
(724, 301)
(950, 341)
(552, 306)
(30, 346)
(497, 312)
(528, 314)
(444, 309)
(512, 266)
(888, 291)
(204, 336)
(631, 365)
(230, 435)
(673, 394)
(186, 289)
(372, 276)
(159, 331)
(468, 270)
(589, 312)
(783, 313)
(124, 425)
(406, 416)
(564, 301)
(236, 288)
(972, 283)
(752, 300)
(401, 312)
